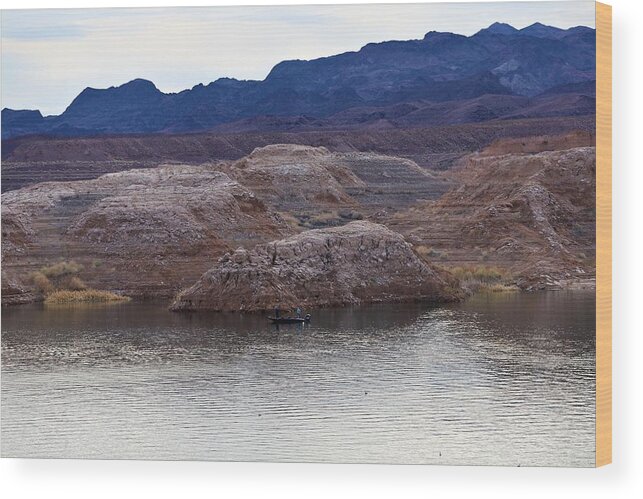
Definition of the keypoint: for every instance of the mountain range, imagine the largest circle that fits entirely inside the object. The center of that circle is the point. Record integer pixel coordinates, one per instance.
(498, 73)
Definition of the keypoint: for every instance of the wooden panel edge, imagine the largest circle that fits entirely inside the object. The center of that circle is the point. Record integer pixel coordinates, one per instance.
(603, 234)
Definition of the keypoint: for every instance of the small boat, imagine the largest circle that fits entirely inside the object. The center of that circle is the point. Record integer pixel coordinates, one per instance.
(290, 320)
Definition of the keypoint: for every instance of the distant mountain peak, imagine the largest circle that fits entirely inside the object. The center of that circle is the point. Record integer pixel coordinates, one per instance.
(498, 28)
(542, 31)
(441, 35)
(138, 84)
(537, 30)
(32, 113)
(97, 101)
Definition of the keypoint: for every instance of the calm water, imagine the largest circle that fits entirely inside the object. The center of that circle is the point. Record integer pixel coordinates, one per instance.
(500, 379)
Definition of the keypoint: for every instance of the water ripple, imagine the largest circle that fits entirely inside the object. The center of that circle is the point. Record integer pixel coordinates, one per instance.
(503, 380)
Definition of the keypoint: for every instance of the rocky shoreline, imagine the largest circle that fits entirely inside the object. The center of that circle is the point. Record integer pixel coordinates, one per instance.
(303, 225)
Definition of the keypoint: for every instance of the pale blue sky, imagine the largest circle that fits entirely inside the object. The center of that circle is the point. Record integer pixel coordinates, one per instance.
(49, 56)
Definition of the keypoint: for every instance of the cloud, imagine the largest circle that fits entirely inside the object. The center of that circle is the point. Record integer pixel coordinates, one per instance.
(49, 56)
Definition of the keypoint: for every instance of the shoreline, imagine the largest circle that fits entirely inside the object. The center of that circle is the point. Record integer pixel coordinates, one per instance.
(586, 286)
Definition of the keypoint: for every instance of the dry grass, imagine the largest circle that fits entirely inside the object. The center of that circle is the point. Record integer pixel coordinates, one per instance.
(427, 251)
(351, 215)
(83, 296)
(290, 219)
(502, 288)
(61, 269)
(481, 278)
(324, 218)
(320, 220)
(481, 274)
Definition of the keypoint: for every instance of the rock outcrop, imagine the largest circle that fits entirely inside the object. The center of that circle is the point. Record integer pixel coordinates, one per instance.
(533, 145)
(146, 232)
(14, 293)
(175, 211)
(360, 262)
(291, 176)
(320, 188)
(532, 214)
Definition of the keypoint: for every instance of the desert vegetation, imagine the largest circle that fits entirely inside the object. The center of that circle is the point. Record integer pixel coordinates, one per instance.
(62, 296)
(60, 283)
(60, 275)
(481, 278)
(60, 269)
(431, 253)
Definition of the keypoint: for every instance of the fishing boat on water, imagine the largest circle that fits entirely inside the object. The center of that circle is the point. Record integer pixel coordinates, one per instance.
(290, 320)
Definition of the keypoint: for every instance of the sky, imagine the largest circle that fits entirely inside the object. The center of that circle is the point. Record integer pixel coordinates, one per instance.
(50, 55)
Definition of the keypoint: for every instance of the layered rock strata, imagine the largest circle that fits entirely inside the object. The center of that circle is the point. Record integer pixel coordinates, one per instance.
(361, 262)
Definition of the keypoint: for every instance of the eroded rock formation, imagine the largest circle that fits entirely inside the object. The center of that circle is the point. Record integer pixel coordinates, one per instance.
(360, 262)
(152, 232)
(533, 214)
(322, 188)
(143, 232)
(292, 176)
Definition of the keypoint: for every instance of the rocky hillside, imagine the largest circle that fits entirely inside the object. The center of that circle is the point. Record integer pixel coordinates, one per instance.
(293, 177)
(29, 160)
(360, 262)
(150, 232)
(542, 143)
(440, 67)
(531, 214)
(319, 187)
(144, 232)
(557, 102)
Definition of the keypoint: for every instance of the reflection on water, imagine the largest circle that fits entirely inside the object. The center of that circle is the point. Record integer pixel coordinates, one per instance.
(500, 379)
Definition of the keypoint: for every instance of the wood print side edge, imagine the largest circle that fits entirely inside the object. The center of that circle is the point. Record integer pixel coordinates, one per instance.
(603, 234)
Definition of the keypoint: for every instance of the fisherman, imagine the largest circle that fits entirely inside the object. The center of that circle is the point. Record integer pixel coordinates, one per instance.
(298, 312)
(277, 312)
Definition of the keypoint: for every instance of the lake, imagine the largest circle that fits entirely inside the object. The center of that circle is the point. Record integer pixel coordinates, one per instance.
(500, 379)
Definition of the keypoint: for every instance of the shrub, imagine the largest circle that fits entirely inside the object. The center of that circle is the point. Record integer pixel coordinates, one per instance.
(430, 252)
(42, 282)
(351, 215)
(324, 219)
(290, 219)
(61, 269)
(76, 284)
